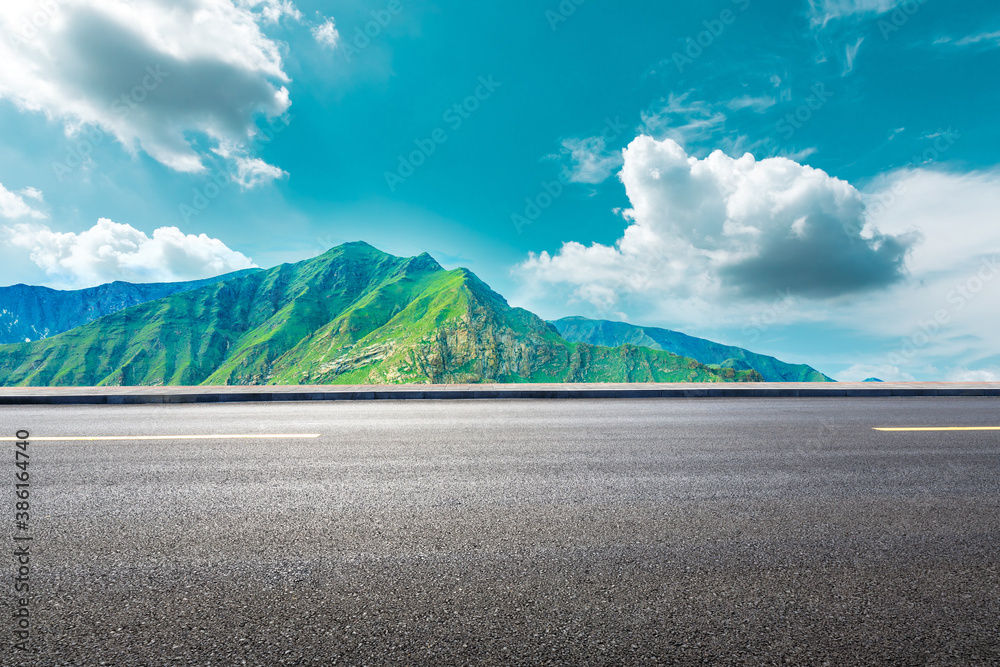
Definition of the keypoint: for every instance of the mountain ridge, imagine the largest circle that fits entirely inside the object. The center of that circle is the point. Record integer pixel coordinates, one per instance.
(351, 315)
(610, 333)
(34, 312)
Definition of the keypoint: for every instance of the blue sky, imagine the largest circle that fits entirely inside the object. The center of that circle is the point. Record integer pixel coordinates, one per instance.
(581, 157)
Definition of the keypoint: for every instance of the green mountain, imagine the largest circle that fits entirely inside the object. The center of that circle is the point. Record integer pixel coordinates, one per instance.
(352, 315)
(612, 334)
(28, 312)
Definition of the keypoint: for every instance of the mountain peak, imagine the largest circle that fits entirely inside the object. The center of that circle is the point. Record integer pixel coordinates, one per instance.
(353, 247)
(425, 262)
(363, 250)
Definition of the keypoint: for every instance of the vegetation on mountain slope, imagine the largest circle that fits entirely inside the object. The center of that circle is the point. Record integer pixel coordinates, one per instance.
(30, 312)
(351, 315)
(612, 334)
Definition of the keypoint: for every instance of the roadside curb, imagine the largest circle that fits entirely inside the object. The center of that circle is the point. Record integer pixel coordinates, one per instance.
(250, 394)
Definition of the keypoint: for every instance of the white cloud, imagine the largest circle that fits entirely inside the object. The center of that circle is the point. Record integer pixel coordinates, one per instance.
(955, 212)
(591, 161)
(109, 251)
(12, 204)
(272, 11)
(723, 230)
(991, 38)
(800, 155)
(965, 375)
(835, 27)
(251, 172)
(326, 34)
(885, 372)
(699, 124)
(30, 193)
(151, 73)
(682, 119)
(940, 321)
(945, 314)
(248, 172)
(851, 53)
(757, 104)
(822, 12)
(982, 37)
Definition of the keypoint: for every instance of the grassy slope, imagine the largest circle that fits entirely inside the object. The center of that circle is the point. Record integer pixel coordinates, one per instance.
(227, 330)
(42, 309)
(352, 315)
(602, 332)
(448, 326)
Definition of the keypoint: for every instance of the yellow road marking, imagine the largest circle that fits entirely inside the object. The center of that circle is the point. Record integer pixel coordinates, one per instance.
(251, 436)
(942, 428)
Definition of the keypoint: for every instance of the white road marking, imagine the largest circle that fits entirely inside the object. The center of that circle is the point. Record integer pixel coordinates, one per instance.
(228, 436)
(942, 428)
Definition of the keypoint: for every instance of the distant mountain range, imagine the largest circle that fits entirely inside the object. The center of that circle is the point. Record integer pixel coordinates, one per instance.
(30, 313)
(354, 315)
(613, 334)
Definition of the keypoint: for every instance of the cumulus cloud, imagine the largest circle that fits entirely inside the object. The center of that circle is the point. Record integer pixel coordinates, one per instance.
(939, 322)
(154, 74)
(590, 159)
(723, 229)
(326, 34)
(110, 251)
(946, 312)
(12, 204)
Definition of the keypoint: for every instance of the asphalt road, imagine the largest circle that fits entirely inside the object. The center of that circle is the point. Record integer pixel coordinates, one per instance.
(748, 531)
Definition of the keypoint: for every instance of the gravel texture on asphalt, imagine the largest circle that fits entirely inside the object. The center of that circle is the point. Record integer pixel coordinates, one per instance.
(636, 532)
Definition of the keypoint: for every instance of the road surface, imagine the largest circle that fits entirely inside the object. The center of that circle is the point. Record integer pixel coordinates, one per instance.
(658, 531)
